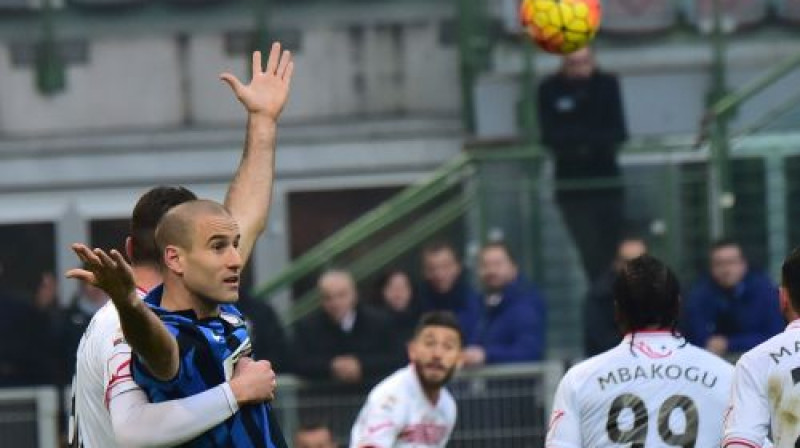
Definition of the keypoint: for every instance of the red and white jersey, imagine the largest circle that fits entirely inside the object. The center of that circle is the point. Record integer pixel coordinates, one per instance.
(102, 371)
(765, 397)
(398, 414)
(653, 390)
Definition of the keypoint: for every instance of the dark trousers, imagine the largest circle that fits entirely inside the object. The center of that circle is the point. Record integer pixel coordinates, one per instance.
(595, 219)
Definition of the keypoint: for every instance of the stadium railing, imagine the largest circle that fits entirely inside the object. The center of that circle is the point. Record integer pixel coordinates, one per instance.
(29, 417)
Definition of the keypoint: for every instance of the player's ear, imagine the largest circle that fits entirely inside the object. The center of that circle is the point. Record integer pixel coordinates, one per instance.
(785, 303)
(129, 248)
(173, 259)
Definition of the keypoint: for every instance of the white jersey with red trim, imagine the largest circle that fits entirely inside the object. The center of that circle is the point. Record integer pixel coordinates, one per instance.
(397, 414)
(765, 397)
(653, 389)
(102, 371)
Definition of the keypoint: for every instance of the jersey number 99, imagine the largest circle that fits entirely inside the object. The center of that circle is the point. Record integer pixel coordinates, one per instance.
(636, 436)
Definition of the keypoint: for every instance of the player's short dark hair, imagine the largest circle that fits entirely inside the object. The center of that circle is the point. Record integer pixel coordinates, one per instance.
(439, 319)
(149, 210)
(647, 294)
(790, 277)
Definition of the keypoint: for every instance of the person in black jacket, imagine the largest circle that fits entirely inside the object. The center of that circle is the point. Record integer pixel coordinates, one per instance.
(583, 123)
(344, 341)
(395, 295)
(267, 333)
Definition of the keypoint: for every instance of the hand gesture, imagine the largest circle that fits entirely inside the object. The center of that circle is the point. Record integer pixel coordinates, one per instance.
(268, 90)
(111, 273)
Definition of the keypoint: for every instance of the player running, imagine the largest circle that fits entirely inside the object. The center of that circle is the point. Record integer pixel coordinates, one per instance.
(108, 407)
(765, 397)
(653, 389)
(412, 408)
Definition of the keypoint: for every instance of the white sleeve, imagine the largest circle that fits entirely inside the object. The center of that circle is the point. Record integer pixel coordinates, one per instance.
(115, 354)
(564, 430)
(138, 423)
(747, 418)
(378, 424)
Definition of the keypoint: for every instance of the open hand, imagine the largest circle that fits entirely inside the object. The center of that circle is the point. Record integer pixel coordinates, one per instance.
(269, 89)
(111, 273)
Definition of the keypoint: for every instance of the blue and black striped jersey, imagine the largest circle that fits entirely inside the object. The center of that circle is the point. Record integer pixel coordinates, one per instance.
(209, 348)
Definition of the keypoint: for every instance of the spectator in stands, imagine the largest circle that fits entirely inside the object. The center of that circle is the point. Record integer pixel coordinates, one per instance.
(266, 332)
(734, 308)
(599, 323)
(21, 341)
(446, 288)
(84, 304)
(512, 322)
(51, 318)
(583, 123)
(344, 341)
(396, 296)
(313, 434)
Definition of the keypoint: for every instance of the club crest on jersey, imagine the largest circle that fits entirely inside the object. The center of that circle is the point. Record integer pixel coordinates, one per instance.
(232, 319)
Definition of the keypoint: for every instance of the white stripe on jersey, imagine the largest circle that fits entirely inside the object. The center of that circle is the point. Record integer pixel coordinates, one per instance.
(102, 371)
(397, 414)
(765, 397)
(653, 389)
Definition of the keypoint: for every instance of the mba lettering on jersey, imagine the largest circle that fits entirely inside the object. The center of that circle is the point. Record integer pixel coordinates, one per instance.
(765, 397)
(102, 372)
(398, 414)
(653, 389)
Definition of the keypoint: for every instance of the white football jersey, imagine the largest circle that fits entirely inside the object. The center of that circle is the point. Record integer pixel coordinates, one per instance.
(765, 397)
(652, 390)
(102, 371)
(398, 414)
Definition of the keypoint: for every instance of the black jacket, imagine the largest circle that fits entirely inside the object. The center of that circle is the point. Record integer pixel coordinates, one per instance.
(318, 339)
(583, 123)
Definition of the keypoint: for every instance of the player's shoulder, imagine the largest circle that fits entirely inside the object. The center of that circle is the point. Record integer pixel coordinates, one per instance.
(104, 321)
(776, 347)
(448, 401)
(705, 357)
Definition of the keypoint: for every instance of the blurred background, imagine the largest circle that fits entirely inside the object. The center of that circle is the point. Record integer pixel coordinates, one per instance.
(409, 122)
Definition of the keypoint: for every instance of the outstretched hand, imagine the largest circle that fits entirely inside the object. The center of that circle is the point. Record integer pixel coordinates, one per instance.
(109, 272)
(268, 89)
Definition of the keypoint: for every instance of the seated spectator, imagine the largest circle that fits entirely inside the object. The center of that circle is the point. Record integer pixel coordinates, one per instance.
(734, 308)
(266, 333)
(446, 287)
(313, 435)
(512, 322)
(600, 330)
(396, 297)
(344, 341)
(21, 343)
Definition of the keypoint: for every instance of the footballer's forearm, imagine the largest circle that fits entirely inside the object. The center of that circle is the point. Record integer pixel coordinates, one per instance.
(149, 339)
(138, 423)
(250, 193)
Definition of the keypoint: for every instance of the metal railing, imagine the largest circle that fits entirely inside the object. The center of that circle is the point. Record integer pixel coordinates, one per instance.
(503, 406)
(29, 417)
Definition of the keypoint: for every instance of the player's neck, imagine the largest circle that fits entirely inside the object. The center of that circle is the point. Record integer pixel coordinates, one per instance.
(146, 277)
(432, 394)
(177, 298)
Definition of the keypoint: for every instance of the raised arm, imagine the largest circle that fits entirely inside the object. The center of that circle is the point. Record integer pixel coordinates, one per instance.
(143, 330)
(250, 192)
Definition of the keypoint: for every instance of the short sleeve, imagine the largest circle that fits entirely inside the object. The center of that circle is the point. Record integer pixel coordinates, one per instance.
(747, 417)
(564, 429)
(379, 423)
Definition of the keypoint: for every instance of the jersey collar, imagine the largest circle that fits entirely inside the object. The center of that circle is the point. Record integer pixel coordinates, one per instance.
(794, 325)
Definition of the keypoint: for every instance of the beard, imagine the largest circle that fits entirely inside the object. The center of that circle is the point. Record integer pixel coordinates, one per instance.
(428, 383)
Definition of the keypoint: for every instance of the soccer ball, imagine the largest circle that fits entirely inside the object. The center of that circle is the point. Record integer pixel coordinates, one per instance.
(561, 26)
